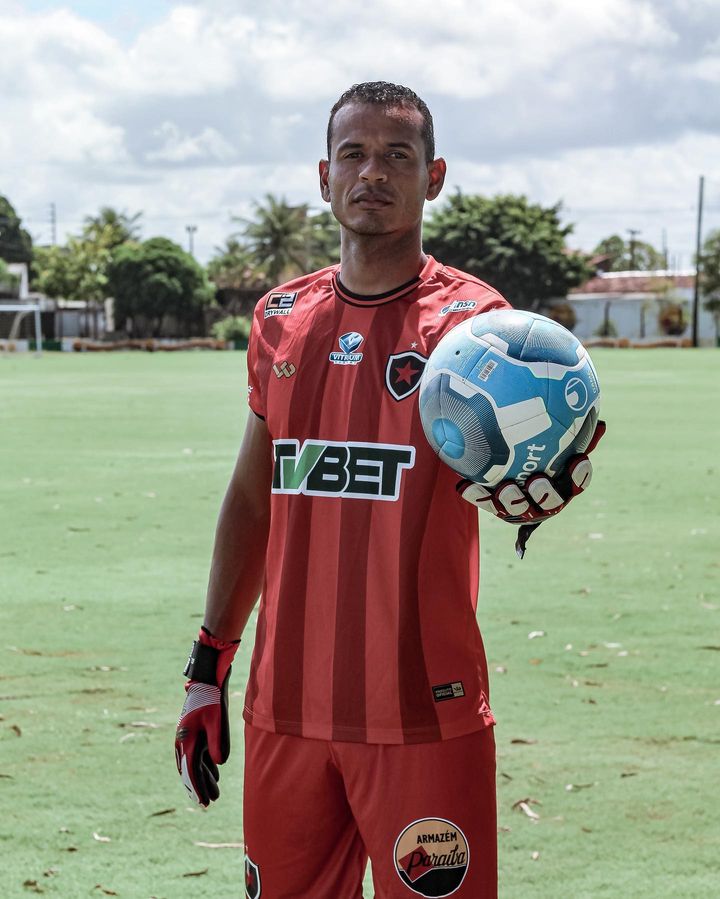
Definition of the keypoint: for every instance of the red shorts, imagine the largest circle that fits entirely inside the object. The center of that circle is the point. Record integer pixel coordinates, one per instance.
(425, 815)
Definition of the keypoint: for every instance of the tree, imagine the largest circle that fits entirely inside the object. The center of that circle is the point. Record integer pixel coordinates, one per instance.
(234, 267)
(15, 242)
(625, 256)
(8, 281)
(711, 278)
(516, 246)
(277, 238)
(77, 271)
(110, 228)
(156, 279)
(323, 239)
(279, 243)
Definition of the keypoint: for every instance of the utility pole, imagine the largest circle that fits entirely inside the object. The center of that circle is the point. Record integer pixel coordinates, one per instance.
(664, 249)
(53, 224)
(698, 262)
(191, 229)
(632, 232)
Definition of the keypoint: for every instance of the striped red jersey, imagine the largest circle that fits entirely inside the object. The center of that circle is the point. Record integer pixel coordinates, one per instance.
(367, 629)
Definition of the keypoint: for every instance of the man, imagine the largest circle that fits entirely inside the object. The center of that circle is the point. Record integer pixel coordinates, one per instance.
(368, 726)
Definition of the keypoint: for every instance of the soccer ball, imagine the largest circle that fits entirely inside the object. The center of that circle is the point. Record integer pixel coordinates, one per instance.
(508, 394)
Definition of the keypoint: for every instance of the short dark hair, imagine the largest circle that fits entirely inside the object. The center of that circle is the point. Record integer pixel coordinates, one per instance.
(383, 93)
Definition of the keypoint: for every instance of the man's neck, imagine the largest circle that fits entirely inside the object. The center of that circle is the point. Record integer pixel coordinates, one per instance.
(376, 264)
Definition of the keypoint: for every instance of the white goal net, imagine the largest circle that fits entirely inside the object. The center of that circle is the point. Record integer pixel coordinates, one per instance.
(20, 311)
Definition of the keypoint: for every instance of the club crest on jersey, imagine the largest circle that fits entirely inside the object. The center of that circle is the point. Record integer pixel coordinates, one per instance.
(348, 344)
(252, 879)
(329, 468)
(279, 303)
(432, 856)
(403, 372)
(458, 306)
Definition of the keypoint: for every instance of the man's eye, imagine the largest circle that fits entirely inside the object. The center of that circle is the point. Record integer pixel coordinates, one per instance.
(398, 154)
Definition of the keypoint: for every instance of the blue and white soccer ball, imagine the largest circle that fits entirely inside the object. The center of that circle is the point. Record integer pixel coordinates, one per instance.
(508, 394)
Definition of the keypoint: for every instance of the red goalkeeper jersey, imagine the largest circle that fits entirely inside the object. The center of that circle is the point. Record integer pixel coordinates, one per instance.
(367, 629)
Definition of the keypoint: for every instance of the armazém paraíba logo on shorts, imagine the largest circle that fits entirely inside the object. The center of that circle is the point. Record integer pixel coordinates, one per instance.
(432, 857)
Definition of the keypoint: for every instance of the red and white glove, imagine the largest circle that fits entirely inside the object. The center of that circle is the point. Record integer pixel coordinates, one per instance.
(540, 498)
(202, 739)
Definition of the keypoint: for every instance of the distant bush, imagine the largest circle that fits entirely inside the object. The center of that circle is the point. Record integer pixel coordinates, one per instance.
(8, 281)
(606, 329)
(673, 319)
(235, 328)
(563, 314)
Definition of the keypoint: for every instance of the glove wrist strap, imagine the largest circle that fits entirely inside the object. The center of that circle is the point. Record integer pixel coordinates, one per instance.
(210, 659)
(202, 664)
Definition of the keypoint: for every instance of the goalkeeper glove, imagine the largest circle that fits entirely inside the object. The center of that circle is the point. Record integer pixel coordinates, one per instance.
(540, 498)
(202, 739)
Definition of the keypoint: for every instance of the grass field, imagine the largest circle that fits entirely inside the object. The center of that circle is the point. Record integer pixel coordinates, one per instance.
(112, 469)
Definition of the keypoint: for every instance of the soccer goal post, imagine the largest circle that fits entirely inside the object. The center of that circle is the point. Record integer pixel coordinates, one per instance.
(21, 310)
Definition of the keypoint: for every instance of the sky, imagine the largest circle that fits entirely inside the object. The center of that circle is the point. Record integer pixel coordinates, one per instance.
(192, 111)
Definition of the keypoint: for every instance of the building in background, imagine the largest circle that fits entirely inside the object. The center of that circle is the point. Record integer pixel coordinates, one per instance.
(637, 306)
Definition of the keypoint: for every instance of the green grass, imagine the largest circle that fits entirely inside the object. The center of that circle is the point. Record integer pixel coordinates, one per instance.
(112, 469)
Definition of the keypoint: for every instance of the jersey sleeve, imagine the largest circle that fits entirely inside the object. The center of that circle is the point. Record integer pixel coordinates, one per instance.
(256, 387)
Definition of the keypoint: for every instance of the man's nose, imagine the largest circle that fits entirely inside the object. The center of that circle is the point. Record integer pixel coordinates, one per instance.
(373, 170)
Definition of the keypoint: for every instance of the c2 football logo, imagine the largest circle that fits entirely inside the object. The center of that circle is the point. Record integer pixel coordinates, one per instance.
(432, 857)
(328, 468)
(279, 303)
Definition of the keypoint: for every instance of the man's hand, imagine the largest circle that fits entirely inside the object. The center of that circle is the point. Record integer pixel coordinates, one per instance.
(202, 739)
(540, 498)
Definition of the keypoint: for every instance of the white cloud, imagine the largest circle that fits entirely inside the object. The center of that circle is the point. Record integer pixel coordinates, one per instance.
(179, 147)
(609, 106)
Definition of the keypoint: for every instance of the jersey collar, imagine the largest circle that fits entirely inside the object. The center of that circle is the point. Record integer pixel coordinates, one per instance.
(378, 299)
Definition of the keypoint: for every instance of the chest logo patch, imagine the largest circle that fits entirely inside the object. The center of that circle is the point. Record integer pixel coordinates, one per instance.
(333, 469)
(349, 343)
(279, 303)
(403, 372)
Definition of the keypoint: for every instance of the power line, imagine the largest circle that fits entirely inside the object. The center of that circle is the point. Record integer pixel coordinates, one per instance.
(191, 229)
(698, 262)
(633, 232)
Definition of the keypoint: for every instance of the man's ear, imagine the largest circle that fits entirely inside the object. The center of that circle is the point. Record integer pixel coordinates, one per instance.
(436, 173)
(324, 170)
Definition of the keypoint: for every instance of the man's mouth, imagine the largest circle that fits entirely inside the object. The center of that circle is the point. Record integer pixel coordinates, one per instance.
(369, 200)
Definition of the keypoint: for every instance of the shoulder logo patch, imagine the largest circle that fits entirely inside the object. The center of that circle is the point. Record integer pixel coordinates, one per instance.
(279, 303)
(458, 306)
(403, 372)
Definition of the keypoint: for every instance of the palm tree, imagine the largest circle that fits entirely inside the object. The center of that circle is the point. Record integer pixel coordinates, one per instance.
(234, 267)
(278, 238)
(324, 239)
(110, 228)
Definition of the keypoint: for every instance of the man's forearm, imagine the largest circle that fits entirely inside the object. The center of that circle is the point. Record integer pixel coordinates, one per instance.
(238, 561)
(237, 566)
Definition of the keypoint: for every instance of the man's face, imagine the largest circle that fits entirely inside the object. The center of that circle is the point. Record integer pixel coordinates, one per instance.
(377, 178)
